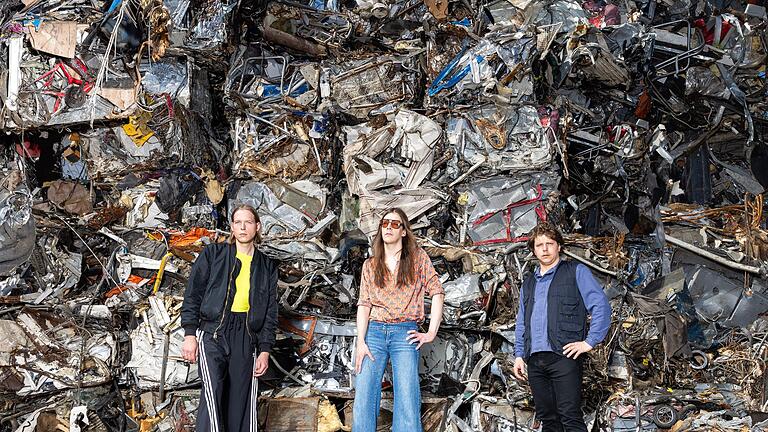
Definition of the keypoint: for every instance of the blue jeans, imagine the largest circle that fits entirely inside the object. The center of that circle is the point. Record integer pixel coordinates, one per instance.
(388, 341)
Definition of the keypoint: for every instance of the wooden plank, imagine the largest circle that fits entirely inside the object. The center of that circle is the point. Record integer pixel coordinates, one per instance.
(292, 414)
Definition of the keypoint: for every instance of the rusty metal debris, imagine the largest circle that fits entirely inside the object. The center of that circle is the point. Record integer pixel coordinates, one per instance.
(639, 128)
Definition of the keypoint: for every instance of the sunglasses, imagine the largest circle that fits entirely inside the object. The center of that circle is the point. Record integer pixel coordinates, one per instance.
(395, 224)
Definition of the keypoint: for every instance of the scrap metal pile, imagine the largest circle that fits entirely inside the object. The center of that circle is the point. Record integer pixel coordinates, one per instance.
(638, 127)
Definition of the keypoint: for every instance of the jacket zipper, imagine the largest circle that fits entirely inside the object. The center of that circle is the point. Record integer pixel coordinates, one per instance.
(226, 300)
(248, 312)
(247, 327)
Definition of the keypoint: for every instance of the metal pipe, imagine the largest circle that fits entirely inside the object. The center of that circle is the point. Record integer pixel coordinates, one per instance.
(709, 255)
(293, 42)
(590, 264)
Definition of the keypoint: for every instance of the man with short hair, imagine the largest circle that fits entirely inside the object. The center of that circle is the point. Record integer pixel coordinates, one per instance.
(551, 332)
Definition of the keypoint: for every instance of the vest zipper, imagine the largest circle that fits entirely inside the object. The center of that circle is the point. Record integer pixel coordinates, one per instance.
(226, 300)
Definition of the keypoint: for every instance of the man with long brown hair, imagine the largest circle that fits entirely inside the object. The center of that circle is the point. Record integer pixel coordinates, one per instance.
(391, 306)
(229, 317)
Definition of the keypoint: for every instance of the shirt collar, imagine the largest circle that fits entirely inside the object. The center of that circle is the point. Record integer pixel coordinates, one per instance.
(549, 272)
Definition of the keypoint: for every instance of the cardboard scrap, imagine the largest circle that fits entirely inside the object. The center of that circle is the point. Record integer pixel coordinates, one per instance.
(438, 8)
(55, 37)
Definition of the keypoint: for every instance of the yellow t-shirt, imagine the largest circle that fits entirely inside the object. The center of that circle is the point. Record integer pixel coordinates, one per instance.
(242, 284)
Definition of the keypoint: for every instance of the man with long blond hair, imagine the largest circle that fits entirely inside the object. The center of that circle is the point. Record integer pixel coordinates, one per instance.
(390, 308)
(229, 316)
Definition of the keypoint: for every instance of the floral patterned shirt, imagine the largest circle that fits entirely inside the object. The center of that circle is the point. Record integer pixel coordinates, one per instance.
(392, 303)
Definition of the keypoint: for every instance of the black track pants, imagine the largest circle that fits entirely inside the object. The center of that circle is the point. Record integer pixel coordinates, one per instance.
(229, 395)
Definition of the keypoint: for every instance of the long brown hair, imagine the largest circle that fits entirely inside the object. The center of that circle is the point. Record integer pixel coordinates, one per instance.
(406, 273)
(257, 238)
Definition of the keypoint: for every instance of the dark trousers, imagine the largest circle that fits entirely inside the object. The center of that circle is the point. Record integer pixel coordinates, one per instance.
(555, 382)
(229, 395)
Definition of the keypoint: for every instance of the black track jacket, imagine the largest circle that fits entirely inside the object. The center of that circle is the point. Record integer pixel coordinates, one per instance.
(211, 290)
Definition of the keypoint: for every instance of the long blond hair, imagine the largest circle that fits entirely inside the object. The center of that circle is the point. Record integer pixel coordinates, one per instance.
(257, 239)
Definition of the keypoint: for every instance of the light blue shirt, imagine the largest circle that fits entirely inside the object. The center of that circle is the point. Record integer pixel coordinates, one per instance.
(591, 293)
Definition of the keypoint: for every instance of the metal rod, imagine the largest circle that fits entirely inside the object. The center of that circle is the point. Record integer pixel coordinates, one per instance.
(466, 174)
(166, 346)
